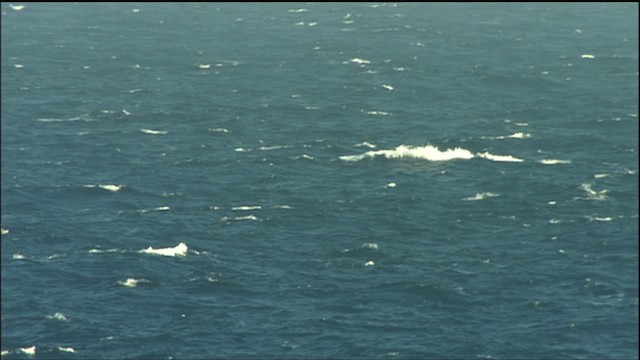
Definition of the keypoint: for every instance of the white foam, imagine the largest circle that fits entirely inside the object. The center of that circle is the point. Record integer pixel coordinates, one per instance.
(100, 251)
(283, 207)
(131, 282)
(178, 250)
(17, 7)
(154, 132)
(204, 66)
(597, 218)
(588, 56)
(369, 263)
(5, 352)
(388, 87)
(240, 218)
(222, 130)
(600, 176)
(245, 208)
(554, 161)
(296, 11)
(367, 144)
(371, 246)
(109, 187)
(30, 351)
(481, 196)
(18, 66)
(518, 135)
(593, 194)
(239, 149)
(66, 349)
(359, 61)
(19, 256)
(58, 316)
(162, 208)
(5, 231)
(427, 152)
(504, 158)
(304, 156)
(275, 147)
(124, 111)
(391, 185)
(383, 113)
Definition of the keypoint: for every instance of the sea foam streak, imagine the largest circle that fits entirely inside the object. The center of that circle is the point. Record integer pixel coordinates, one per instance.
(179, 250)
(492, 157)
(154, 132)
(428, 152)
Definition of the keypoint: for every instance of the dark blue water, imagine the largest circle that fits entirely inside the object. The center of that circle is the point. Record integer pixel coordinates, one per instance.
(320, 181)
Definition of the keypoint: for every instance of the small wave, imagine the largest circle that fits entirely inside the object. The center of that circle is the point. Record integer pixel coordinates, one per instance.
(367, 144)
(222, 130)
(381, 113)
(502, 158)
(245, 208)
(388, 87)
(30, 351)
(297, 11)
(154, 132)
(5, 231)
(17, 7)
(19, 256)
(58, 316)
(588, 56)
(283, 207)
(600, 176)
(554, 161)
(481, 196)
(178, 250)
(358, 61)
(66, 349)
(240, 218)
(390, 185)
(597, 218)
(100, 251)
(108, 187)
(131, 282)
(593, 194)
(304, 157)
(518, 135)
(428, 152)
(275, 147)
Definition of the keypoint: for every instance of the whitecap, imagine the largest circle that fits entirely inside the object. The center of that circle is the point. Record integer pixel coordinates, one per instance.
(597, 218)
(359, 61)
(481, 196)
(388, 87)
(275, 147)
(5, 352)
(370, 246)
(178, 250)
(204, 66)
(505, 158)
(588, 56)
(305, 157)
(17, 7)
(108, 187)
(58, 316)
(283, 207)
(390, 185)
(593, 194)
(162, 208)
(100, 251)
(19, 256)
(126, 112)
(369, 263)
(131, 282)
(18, 66)
(296, 11)
(66, 349)
(5, 231)
(30, 351)
(367, 144)
(428, 152)
(154, 132)
(554, 161)
(240, 218)
(383, 113)
(245, 208)
(222, 130)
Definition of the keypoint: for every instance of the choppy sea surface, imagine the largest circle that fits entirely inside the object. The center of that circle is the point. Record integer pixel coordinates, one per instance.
(328, 180)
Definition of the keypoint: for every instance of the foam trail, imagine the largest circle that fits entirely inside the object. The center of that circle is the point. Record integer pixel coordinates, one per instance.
(179, 250)
(427, 152)
(594, 195)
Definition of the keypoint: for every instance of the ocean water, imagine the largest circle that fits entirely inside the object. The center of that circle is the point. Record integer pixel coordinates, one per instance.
(328, 180)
